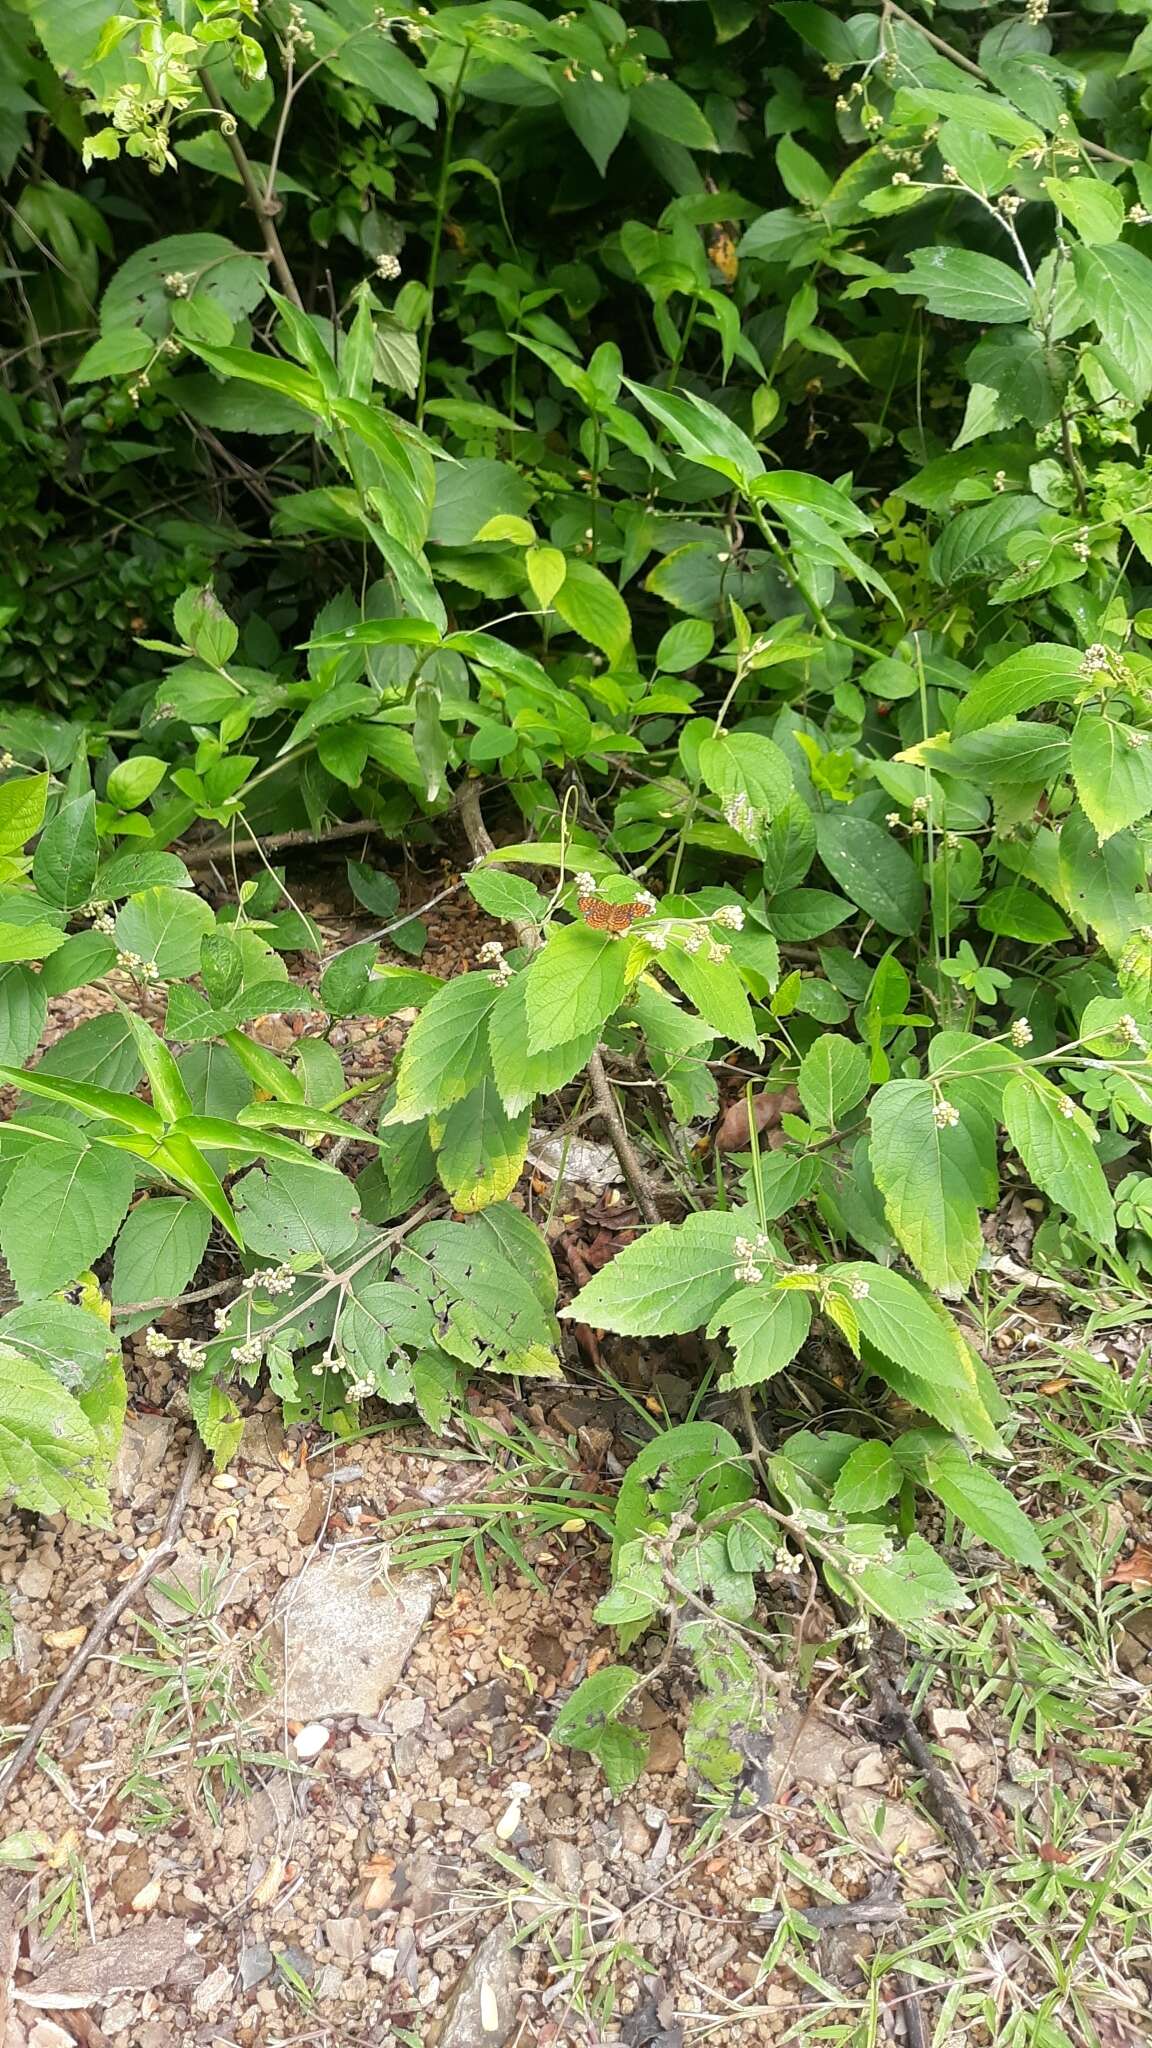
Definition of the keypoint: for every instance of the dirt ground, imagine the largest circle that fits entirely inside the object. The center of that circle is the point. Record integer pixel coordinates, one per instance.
(307, 1795)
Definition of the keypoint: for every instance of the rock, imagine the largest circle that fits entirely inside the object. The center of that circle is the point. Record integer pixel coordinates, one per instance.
(140, 1457)
(806, 1747)
(329, 1982)
(310, 1740)
(35, 1576)
(405, 1716)
(949, 1721)
(870, 1770)
(345, 1636)
(382, 1963)
(255, 1964)
(483, 1703)
(559, 1805)
(46, 2034)
(141, 1959)
(208, 1581)
(358, 1758)
(481, 2011)
(549, 1652)
(562, 1866)
(888, 1825)
(634, 1836)
(262, 1441)
(345, 1938)
(212, 1993)
(665, 1751)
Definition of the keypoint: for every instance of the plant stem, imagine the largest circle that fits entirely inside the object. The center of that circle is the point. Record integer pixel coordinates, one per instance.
(263, 208)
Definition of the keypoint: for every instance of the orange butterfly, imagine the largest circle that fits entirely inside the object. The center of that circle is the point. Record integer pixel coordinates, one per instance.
(603, 916)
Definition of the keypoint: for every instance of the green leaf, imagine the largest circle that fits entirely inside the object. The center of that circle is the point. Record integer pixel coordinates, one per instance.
(668, 111)
(1044, 674)
(1116, 291)
(702, 432)
(574, 984)
(70, 1341)
(715, 989)
(23, 1008)
(597, 115)
(446, 1051)
(62, 1207)
(1055, 1139)
(594, 608)
(766, 1326)
(873, 869)
(159, 1249)
(291, 1211)
(1016, 912)
(1112, 770)
(521, 1075)
(671, 1280)
(29, 941)
(138, 297)
(508, 897)
(833, 1078)
(749, 765)
(22, 801)
(932, 1178)
(1102, 881)
(868, 1477)
(961, 285)
(480, 1149)
(586, 1721)
(919, 1336)
(132, 782)
(1094, 209)
(983, 1503)
(165, 927)
(65, 862)
(48, 1448)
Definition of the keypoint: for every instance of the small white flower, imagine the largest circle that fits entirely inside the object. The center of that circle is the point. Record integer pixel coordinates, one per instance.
(893, 821)
(387, 268)
(901, 178)
(157, 1345)
(919, 806)
(1000, 480)
(692, 940)
(1097, 660)
(187, 1352)
(104, 924)
(1130, 1031)
(717, 952)
(1066, 1106)
(644, 900)
(730, 917)
(491, 953)
(944, 1114)
(750, 1273)
(859, 1290)
(1021, 1033)
(585, 883)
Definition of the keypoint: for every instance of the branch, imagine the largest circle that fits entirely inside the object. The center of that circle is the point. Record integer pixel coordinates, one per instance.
(278, 842)
(106, 1621)
(263, 208)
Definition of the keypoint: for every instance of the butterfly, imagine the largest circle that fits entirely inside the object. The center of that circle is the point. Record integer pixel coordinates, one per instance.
(603, 916)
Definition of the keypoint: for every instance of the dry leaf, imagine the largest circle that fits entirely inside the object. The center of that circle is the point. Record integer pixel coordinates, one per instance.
(1133, 1570)
(733, 1132)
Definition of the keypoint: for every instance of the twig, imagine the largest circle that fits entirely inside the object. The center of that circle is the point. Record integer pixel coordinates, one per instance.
(939, 1797)
(141, 1308)
(405, 917)
(853, 1913)
(957, 57)
(278, 842)
(263, 207)
(106, 1621)
(622, 1144)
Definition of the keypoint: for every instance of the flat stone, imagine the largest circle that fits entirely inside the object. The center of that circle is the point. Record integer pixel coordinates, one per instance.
(262, 1441)
(211, 1994)
(482, 2009)
(806, 1747)
(255, 1964)
(888, 1825)
(405, 1716)
(345, 1938)
(141, 1959)
(295, 1960)
(484, 1703)
(35, 1576)
(345, 1635)
(140, 1457)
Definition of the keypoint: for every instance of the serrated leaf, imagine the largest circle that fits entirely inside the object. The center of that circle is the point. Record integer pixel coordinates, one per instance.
(1112, 770)
(61, 1209)
(48, 1447)
(868, 1477)
(574, 984)
(932, 1178)
(1054, 1138)
(480, 1149)
(766, 1326)
(873, 869)
(983, 1503)
(833, 1078)
(521, 1075)
(446, 1051)
(159, 1249)
(65, 862)
(670, 1281)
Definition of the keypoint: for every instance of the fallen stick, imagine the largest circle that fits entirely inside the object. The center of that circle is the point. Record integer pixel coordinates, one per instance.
(106, 1621)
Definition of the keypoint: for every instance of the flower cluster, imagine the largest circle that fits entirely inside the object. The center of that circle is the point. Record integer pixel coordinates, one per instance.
(1097, 661)
(730, 917)
(157, 1345)
(1129, 1031)
(748, 1252)
(387, 268)
(1021, 1033)
(273, 1279)
(945, 1114)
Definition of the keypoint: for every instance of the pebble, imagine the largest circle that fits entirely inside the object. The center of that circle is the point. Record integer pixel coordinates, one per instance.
(559, 1805)
(634, 1836)
(34, 1579)
(382, 1963)
(213, 1991)
(255, 1964)
(295, 1960)
(562, 1864)
(310, 1740)
(665, 1752)
(345, 1938)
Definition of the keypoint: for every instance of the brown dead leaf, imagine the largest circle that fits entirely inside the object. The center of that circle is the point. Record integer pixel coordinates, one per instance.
(1133, 1570)
(733, 1132)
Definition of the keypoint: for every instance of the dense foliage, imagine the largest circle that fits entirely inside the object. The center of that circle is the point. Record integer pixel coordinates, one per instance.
(716, 436)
